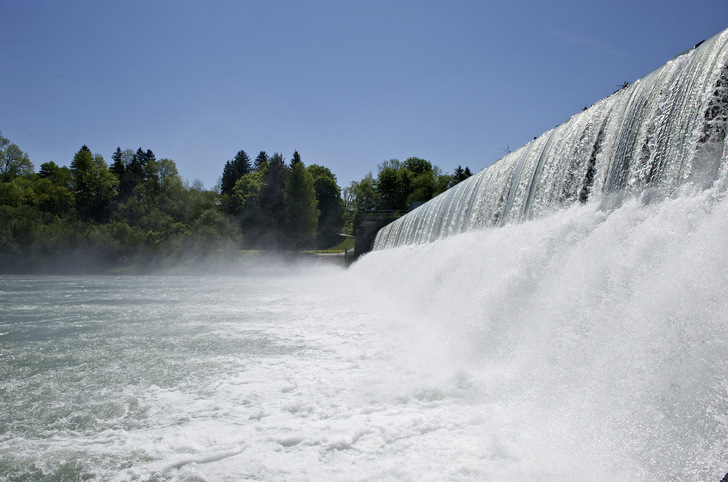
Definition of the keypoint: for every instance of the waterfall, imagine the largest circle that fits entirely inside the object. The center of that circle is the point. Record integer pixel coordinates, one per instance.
(664, 133)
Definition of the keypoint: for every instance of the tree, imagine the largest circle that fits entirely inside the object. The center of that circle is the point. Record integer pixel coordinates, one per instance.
(260, 160)
(171, 188)
(246, 200)
(460, 174)
(130, 168)
(272, 200)
(296, 158)
(392, 186)
(443, 182)
(330, 205)
(117, 167)
(301, 207)
(58, 176)
(93, 185)
(361, 197)
(13, 161)
(52, 195)
(364, 194)
(234, 170)
(417, 166)
(422, 185)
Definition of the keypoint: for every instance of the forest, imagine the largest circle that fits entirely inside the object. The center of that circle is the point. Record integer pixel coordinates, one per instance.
(137, 214)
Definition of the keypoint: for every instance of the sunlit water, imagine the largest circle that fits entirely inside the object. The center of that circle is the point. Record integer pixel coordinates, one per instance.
(586, 345)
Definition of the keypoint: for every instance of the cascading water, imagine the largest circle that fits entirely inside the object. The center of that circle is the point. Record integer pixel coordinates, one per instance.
(580, 283)
(662, 132)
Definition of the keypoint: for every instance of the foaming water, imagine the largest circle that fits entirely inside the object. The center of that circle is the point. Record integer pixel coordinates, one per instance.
(599, 338)
(587, 345)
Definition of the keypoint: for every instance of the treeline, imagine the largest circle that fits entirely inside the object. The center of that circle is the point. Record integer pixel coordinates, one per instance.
(138, 213)
(92, 217)
(281, 205)
(399, 187)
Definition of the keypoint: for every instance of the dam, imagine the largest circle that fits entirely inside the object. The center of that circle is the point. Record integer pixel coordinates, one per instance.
(663, 133)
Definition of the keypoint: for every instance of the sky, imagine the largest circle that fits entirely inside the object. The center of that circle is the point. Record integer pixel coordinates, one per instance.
(348, 84)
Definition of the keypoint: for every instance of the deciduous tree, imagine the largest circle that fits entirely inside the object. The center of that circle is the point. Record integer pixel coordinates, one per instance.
(330, 205)
(93, 185)
(301, 207)
(13, 161)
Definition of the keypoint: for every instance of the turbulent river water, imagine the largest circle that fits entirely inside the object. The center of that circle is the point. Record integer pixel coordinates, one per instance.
(584, 345)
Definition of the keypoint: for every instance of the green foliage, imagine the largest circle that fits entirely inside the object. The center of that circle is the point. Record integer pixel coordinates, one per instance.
(460, 175)
(93, 184)
(392, 186)
(301, 207)
(13, 161)
(234, 170)
(66, 220)
(246, 201)
(296, 158)
(260, 160)
(364, 194)
(58, 176)
(330, 205)
(139, 214)
(398, 187)
(272, 202)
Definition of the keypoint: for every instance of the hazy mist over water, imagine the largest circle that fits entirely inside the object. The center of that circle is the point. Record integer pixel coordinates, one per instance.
(586, 345)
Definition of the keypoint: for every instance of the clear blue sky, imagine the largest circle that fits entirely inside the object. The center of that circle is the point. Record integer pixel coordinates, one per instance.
(348, 84)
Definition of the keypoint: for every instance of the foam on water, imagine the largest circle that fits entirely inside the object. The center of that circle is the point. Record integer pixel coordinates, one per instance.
(586, 345)
(601, 337)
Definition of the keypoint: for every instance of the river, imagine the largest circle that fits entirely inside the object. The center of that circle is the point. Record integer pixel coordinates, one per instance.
(585, 345)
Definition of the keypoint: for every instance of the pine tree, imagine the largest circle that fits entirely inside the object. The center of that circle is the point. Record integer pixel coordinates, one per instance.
(233, 171)
(296, 158)
(261, 160)
(117, 166)
(460, 174)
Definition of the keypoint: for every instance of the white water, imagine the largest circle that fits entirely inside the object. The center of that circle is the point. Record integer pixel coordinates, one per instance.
(600, 339)
(663, 131)
(581, 346)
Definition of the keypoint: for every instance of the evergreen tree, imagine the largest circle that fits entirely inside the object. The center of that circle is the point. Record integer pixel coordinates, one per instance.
(117, 165)
(136, 167)
(260, 160)
(460, 174)
(234, 170)
(296, 158)
(301, 207)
